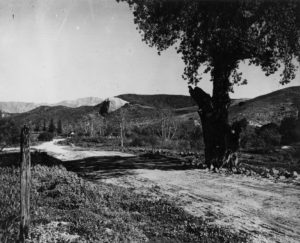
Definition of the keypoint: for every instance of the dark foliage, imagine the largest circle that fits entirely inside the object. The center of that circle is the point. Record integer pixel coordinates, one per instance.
(44, 125)
(206, 32)
(45, 136)
(37, 127)
(270, 134)
(9, 133)
(59, 127)
(262, 139)
(51, 127)
(290, 130)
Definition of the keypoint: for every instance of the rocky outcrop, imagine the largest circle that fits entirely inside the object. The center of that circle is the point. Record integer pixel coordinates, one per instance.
(111, 104)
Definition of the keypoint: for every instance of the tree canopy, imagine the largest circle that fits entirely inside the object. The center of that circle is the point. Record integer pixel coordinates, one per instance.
(223, 33)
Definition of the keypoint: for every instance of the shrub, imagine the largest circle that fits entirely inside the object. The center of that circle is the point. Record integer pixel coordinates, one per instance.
(45, 136)
(290, 130)
(143, 140)
(263, 138)
(184, 145)
(270, 134)
(9, 133)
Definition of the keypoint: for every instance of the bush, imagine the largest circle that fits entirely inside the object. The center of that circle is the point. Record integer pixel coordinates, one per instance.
(140, 136)
(46, 136)
(9, 133)
(270, 134)
(290, 130)
(143, 140)
(263, 138)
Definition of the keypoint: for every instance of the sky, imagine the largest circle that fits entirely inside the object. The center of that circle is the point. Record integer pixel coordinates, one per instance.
(59, 50)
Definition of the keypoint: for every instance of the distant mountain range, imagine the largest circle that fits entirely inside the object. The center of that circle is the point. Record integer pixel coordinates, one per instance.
(88, 101)
(19, 107)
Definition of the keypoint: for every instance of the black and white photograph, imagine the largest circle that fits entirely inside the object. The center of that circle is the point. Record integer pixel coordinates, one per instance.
(160, 121)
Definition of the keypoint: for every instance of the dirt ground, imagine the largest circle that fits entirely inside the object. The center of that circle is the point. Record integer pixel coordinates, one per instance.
(269, 211)
(67, 153)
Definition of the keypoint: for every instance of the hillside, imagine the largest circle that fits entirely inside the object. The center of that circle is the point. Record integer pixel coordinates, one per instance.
(68, 116)
(159, 101)
(143, 109)
(272, 107)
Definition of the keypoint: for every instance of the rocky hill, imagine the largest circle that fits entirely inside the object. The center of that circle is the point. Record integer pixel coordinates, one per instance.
(112, 104)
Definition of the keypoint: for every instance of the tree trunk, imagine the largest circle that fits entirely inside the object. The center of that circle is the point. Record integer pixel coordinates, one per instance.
(213, 112)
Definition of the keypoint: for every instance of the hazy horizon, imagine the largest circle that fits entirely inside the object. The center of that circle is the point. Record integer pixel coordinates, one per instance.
(52, 51)
(59, 101)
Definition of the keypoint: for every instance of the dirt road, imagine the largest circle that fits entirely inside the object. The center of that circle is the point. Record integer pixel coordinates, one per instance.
(68, 153)
(269, 211)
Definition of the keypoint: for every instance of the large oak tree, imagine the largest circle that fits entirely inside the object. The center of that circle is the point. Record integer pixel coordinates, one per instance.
(218, 35)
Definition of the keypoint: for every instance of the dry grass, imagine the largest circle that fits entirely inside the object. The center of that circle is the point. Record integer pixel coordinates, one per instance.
(66, 208)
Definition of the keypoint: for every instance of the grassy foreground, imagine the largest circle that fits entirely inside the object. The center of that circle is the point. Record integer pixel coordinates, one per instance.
(65, 208)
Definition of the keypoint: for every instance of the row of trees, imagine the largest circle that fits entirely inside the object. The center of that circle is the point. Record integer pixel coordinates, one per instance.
(52, 128)
(162, 127)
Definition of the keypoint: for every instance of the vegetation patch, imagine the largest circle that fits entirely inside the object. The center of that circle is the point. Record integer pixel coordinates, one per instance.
(66, 208)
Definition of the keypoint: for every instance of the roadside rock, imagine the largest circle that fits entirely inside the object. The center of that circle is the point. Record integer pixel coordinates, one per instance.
(109, 231)
(287, 174)
(242, 170)
(274, 172)
(270, 176)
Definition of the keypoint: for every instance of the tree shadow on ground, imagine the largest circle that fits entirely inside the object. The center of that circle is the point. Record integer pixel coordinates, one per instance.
(14, 158)
(95, 168)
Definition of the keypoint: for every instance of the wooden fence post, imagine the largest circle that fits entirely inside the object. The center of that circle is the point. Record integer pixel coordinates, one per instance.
(25, 183)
